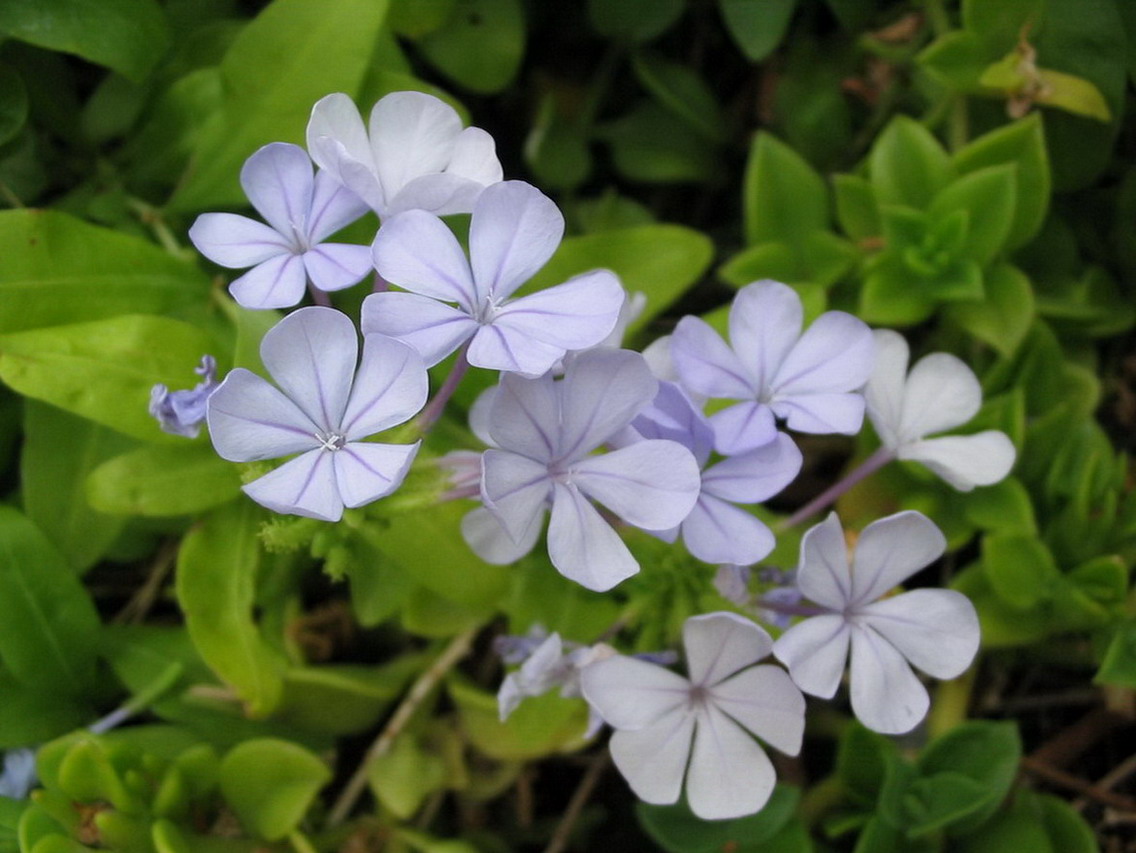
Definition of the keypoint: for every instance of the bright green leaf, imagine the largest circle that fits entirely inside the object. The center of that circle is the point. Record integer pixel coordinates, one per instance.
(59, 270)
(784, 198)
(293, 53)
(216, 586)
(415, 18)
(105, 370)
(989, 197)
(1020, 569)
(1006, 313)
(908, 165)
(129, 36)
(857, 209)
(539, 726)
(407, 774)
(50, 635)
(163, 480)
(271, 784)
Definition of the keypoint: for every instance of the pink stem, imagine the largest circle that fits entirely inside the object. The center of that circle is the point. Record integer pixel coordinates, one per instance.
(437, 405)
(830, 495)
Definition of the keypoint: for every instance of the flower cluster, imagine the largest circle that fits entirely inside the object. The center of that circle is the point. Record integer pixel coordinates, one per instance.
(681, 442)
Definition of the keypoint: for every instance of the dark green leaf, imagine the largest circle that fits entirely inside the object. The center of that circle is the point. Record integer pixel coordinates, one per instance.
(648, 145)
(676, 829)
(1020, 569)
(13, 103)
(986, 753)
(863, 760)
(481, 46)
(633, 20)
(50, 635)
(682, 91)
(757, 25)
(989, 197)
(129, 36)
(1119, 664)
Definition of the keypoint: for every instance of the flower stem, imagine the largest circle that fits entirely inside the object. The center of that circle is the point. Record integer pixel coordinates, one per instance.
(421, 688)
(379, 284)
(433, 410)
(786, 608)
(319, 297)
(829, 496)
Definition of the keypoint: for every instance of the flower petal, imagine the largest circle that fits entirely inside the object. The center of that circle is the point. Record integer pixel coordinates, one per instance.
(278, 181)
(249, 419)
(334, 266)
(730, 775)
(885, 389)
(602, 392)
(651, 484)
(718, 532)
(653, 759)
(514, 231)
(440, 193)
(515, 489)
(432, 328)
(941, 393)
(822, 414)
(366, 472)
(524, 417)
(743, 427)
(765, 322)
(302, 486)
(412, 134)
(965, 461)
(891, 550)
(835, 354)
(492, 543)
(757, 475)
(333, 207)
(764, 700)
(824, 575)
(572, 316)
(706, 365)
(632, 694)
(390, 387)
(935, 629)
(279, 282)
(236, 241)
(581, 545)
(416, 251)
(335, 117)
(886, 695)
(672, 415)
(311, 354)
(815, 651)
(475, 157)
(511, 350)
(719, 644)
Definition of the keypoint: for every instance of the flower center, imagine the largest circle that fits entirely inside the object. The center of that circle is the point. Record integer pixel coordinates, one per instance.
(332, 441)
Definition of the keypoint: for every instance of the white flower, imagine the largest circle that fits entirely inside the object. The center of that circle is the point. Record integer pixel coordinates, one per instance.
(934, 629)
(940, 393)
(669, 728)
(413, 155)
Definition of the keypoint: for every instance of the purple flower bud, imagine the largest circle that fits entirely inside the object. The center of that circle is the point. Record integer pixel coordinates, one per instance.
(183, 412)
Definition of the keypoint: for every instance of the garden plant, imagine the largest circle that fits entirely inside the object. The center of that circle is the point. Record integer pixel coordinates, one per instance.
(473, 426)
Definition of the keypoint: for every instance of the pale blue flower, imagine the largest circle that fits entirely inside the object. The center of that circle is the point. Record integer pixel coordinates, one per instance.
(183, 412)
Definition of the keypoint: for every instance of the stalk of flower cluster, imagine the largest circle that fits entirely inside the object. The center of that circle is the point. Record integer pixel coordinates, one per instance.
(319, 297)
(829, 496)
(433, 410)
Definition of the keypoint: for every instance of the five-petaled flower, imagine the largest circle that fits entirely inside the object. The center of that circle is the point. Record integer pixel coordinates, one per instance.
(545, 432)
(669, 727)
(514, 230)
(413, 156)
(285, 254)
(934, 629)
(940, 393)
(811, 380)
(322, 410)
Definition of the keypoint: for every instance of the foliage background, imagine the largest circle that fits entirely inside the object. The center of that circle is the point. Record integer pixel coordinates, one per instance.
(961, 171)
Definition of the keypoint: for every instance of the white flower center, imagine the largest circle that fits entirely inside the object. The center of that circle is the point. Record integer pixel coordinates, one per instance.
(332, 441)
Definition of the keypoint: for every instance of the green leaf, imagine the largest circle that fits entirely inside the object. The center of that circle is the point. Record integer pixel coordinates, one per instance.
(890, 296)
(757, 25)
(1004, 507)
(59, 270)
(1020, 569)
(682, 91)
(59, 452)
(13, 103)
(481, 46)
(293, 53)
(50, 635)
(989, 197)
(1068, 832)
(940, 800)
(984, 752)
(343, 699)
(633, 21)
(648, 145)
(271, 784)
(557, 147)
(1119, 664)
(1023, 144)
(163, 480)
(415, 18)
(216, 587)
(1073, 94)
(129, 36)
(908, 165)
(105, 370)
(1091, 303)
(784, 198)
(678, 830)
(863, 762)
(857, 209)
(999, 23)
(1004, 317)
(957, 58)
(33, 715)
(661, 261)
(406, 775)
